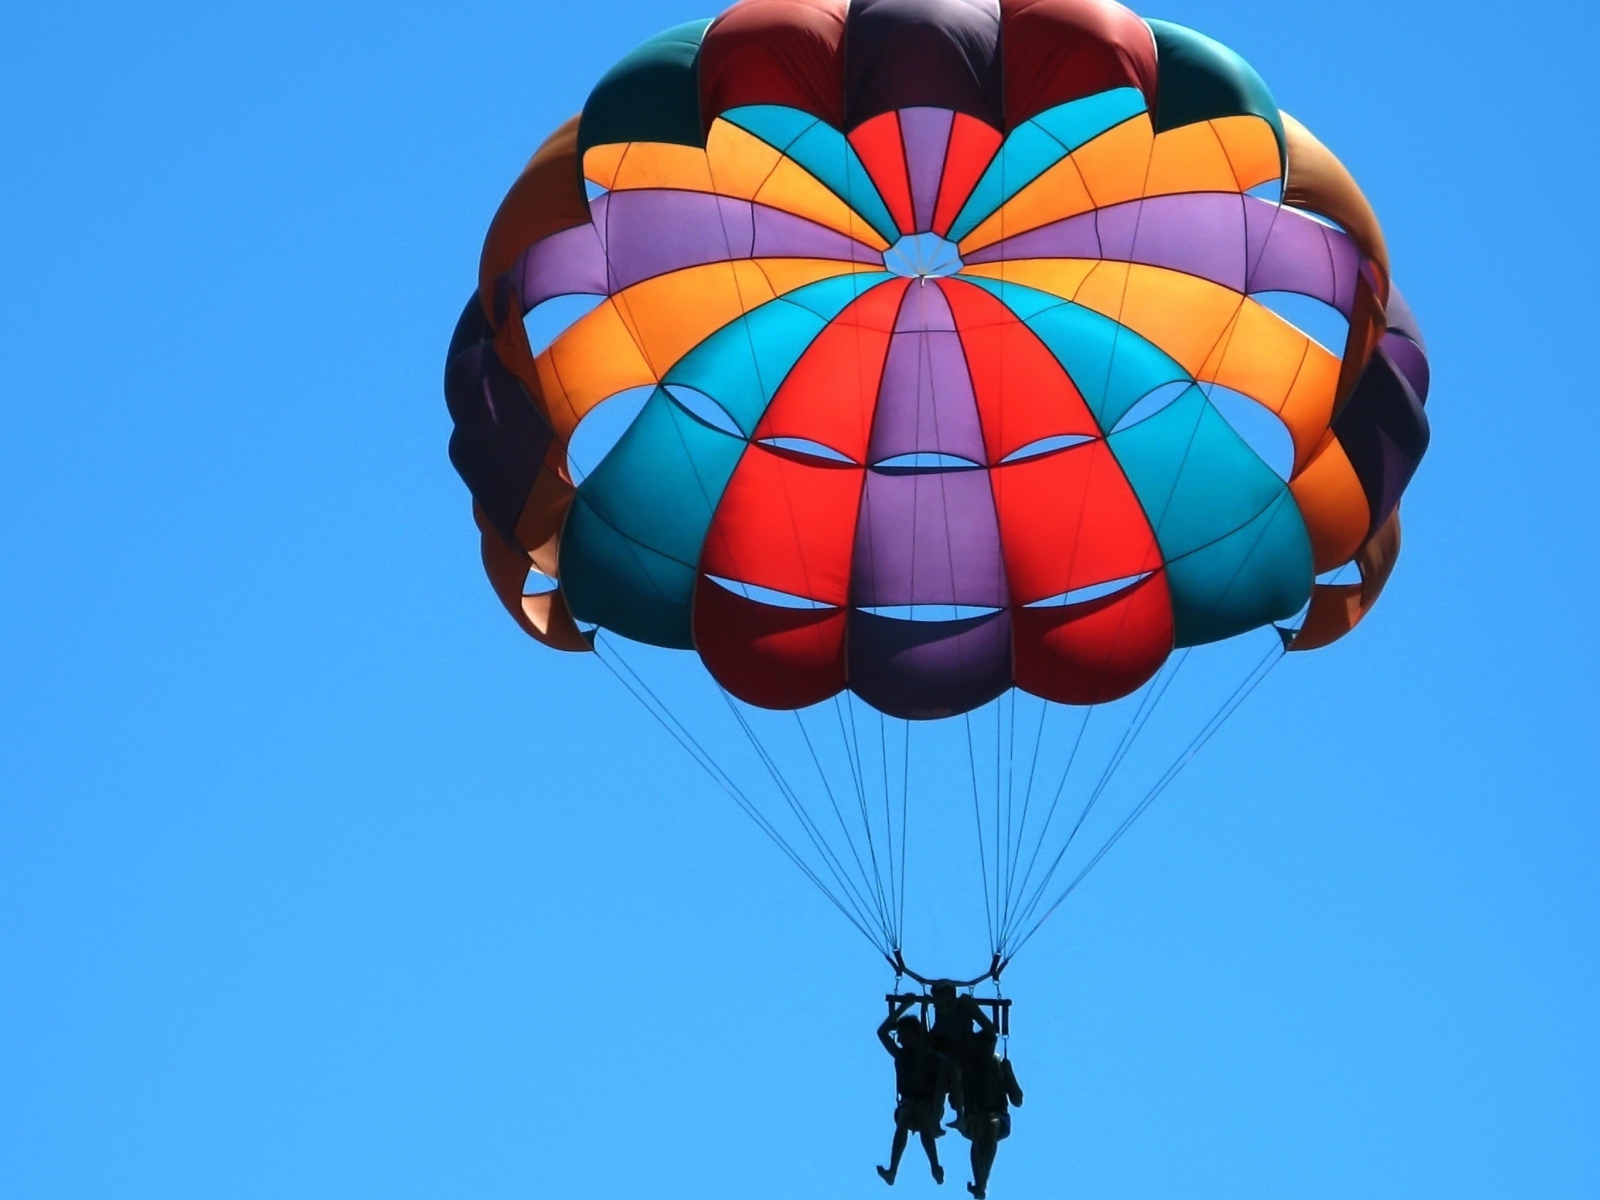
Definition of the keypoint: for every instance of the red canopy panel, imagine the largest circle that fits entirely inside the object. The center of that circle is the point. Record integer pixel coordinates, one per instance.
(972, 145)
(1094, 652)
(787, 523)
(1023, 393)
(844, 364)
(882, 151)
(787, 52)
(768, 656)
(1061, 50)
(1070, 520)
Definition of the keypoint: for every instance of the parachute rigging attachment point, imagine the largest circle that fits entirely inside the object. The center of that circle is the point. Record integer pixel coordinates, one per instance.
(996, 965)
(999, 1007)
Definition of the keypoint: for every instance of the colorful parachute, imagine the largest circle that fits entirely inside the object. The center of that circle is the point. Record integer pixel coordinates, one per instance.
(943, 315)
(899, 273)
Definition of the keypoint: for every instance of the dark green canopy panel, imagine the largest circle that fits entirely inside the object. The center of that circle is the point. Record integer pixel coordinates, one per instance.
(652, 95)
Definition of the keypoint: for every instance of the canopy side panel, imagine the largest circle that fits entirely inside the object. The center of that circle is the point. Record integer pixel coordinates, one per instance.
(1060, 50)
(1238, 556)
(633, 537)
(543, 617)
(1337, 608)
(784, 52)
(922, 53)
(769, 656)
(500, 437)
(546, 198)
(1384, 431)
(1201, 80)
(652, 95)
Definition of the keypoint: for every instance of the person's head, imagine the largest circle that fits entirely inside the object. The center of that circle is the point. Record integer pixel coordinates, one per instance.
(984, 1042)
(944, 992)
(909, 1030)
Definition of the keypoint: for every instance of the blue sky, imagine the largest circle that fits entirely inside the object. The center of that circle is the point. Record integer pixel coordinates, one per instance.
(318, 879)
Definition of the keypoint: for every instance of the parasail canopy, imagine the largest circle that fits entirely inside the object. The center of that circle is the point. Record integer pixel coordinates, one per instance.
(963, 346)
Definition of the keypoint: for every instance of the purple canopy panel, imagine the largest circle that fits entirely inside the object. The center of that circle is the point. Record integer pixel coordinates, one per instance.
(921, 670)
(1074, 237)
(1291, 252)
(928, 537)
(1403, 343)
(924, 308)
(641, 234)
(925, 399)
(1241, 242)
(651, 232)
(566, 263)
(926, 133)
(911, 53)
(1410, 359)
(500, 438)
(1384, 432)
(1400, 317)
(1199, 233)
(783, 235)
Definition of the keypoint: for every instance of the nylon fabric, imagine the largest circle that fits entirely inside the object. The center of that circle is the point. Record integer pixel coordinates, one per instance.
(923, 323)
(776, 52)
(652, 95)
(928, 258)
(633, 537)
(1098, 651)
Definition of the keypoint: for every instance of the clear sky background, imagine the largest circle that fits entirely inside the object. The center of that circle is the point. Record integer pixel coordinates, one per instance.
(318, 879)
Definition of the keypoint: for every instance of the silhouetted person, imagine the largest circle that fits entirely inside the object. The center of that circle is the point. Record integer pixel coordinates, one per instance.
(990, 1085)
(922, 1078)
(954, 1016)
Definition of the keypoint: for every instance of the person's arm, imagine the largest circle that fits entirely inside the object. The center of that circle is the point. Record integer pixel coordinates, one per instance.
(1013, 1089)
(974, 1011)
(888, 1023)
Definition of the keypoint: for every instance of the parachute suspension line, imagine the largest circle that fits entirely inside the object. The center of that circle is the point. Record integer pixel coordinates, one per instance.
(887, 896)
(999, 730)
(1130, 735)
(1153, 694)
(1011, 794)
(802, 816)
(1146, 708)
(639, 690)
(977, 815)
(1027, 795)
(844, 828)
(1055, 800)
(905, 812)
(896, 908)
(852, 751)
(1252, 680)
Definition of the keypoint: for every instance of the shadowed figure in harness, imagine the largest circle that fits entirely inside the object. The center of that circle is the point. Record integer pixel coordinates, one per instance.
(923, 1077)
(954, 1016)
(990, 1086)
(953, 1033)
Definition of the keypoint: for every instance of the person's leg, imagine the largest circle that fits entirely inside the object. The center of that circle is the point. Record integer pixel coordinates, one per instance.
(896, 1149)
(983, 1150)
(932, 1149)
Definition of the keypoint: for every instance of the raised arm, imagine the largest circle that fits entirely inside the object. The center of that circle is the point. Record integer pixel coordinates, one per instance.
(973, 1010)
(888, 1023)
